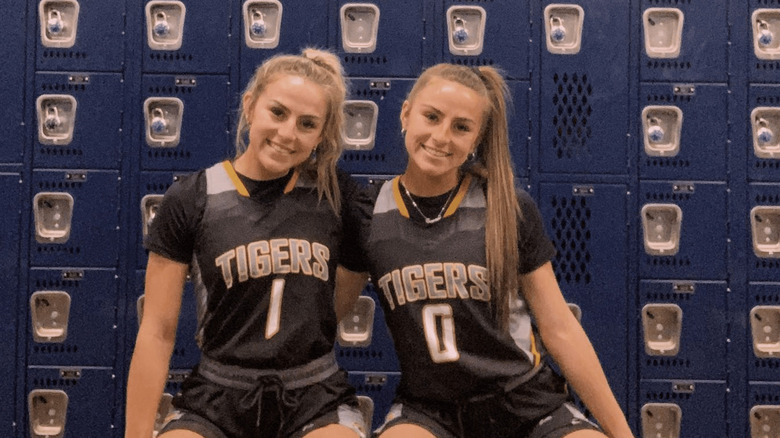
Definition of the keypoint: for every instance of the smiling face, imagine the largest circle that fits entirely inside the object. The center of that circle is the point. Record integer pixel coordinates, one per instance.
(286, 122)
(442, 123)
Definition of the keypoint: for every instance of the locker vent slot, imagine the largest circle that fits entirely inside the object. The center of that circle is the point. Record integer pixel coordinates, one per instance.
(571, 233)
(572, 112)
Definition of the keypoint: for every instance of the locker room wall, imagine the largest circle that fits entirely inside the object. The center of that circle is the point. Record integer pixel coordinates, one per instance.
(614, 134)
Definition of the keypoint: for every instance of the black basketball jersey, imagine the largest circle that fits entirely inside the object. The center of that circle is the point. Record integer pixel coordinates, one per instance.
(265, 272)
(432, 282)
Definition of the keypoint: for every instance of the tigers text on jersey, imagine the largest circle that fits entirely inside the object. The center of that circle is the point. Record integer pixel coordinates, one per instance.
(264, 270)
(433, 287)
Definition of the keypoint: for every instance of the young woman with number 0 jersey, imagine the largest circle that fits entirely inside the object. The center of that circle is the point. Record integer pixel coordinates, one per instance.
(461, 263)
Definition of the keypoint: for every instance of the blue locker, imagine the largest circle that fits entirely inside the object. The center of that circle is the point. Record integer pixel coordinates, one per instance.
(585, 97)
(91, 395)
(388, 156)
(94, 227)
(152, 187)
(186, 353)
(99, 43)
(12, 131)
(591, 265)
(702, 146)
(761, 168)
(703, 43)
(702, 338)
(760, 69)
(519, 126)
(380, 387)
(91, 325)
(203, 129)
(763, 267)
(10, 222)
(702, 238)
(97, 137)
(300, 27)
(507, 32)
(397, 48)
(761, 368)
(200, 45)
(701, 403)
(380, 355)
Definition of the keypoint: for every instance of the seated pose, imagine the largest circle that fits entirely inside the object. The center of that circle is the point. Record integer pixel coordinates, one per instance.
(262, 235)
(461, 264)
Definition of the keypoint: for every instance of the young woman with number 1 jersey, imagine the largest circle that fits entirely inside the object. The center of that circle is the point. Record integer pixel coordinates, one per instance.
(262, 236)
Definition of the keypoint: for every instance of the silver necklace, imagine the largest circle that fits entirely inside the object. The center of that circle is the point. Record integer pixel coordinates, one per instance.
(441, 212)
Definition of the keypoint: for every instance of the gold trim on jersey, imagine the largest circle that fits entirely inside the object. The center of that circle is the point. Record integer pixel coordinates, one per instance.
(399, 201)
(291, 183)
(456, 200)
(535, 350)
(464, 188)
(235, 179)
(231, 171)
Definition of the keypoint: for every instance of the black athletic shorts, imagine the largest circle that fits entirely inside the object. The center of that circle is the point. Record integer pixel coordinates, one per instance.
(536, 408)
(226, 402)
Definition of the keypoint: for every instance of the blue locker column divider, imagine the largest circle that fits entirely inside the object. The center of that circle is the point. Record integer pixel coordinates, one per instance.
(380, 38)
(10, 266)
(520, 126)
(135, 39)
(742, 63)
(591, 265)
(12, 88)
(585, 89)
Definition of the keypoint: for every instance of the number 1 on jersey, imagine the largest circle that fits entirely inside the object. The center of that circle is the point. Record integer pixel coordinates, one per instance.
(274, 308)
(442, 348)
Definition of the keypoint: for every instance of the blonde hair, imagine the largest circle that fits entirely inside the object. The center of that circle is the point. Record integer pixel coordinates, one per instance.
(323, 68)
(493, 163)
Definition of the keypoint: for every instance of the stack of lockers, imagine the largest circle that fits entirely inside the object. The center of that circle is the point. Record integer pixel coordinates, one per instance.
(648, 131)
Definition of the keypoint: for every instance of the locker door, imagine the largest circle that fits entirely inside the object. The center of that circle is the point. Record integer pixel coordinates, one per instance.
(585, 96)
(80, 35)
(77, 214)
(79, 120)
(591, 265)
